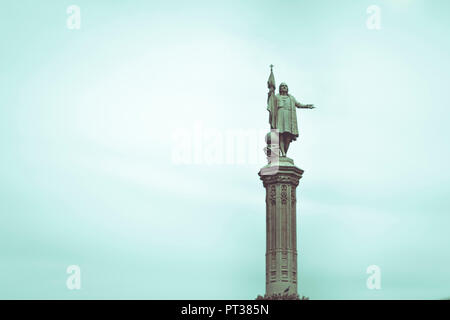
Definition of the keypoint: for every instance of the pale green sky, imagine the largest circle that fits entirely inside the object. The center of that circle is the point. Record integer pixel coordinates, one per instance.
(86, 136)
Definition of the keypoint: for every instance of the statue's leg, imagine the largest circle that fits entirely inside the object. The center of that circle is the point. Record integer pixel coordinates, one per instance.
(287, 141)
(281, 141)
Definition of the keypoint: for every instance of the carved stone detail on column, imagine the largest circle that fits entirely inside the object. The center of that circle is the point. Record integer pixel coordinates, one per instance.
(283, 194)
(272, 194)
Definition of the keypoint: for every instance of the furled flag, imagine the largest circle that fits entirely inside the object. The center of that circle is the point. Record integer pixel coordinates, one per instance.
(271, 101)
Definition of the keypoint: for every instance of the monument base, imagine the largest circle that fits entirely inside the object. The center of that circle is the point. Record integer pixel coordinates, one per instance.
(280, 178)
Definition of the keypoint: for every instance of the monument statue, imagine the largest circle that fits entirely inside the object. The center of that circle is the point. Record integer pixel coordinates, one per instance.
(280, 178)
(282, 113)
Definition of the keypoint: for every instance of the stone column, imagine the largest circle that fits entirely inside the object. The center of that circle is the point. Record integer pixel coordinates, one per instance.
(281, 178)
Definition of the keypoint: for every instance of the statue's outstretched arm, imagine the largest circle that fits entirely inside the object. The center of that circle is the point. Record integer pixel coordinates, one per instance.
(304, 106)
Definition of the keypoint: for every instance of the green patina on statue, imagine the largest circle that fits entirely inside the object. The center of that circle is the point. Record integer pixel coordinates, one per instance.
(282, 114)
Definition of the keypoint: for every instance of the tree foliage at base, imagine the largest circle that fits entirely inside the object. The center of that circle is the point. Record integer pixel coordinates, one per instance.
(280, 296)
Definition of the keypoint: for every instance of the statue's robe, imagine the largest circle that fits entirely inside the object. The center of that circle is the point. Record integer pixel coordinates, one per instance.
(282, 114)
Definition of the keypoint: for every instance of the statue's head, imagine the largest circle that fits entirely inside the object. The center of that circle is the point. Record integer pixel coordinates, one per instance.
(283, 88)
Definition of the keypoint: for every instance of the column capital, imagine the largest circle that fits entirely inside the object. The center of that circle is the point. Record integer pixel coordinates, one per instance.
(281, 171)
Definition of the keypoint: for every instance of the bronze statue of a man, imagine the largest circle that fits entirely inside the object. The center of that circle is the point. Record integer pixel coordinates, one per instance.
(282, 113)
